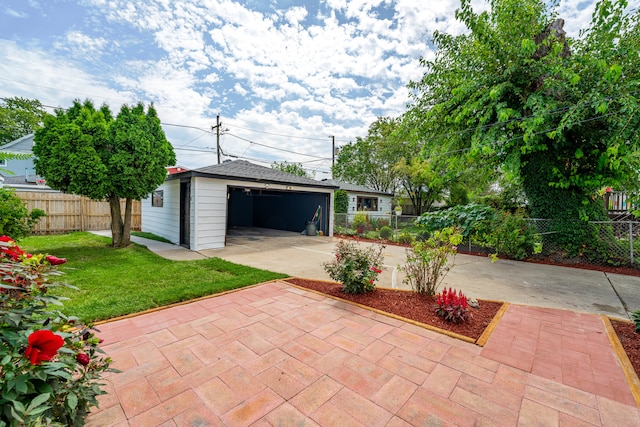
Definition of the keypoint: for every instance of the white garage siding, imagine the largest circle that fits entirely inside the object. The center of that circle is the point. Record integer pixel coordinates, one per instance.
(164, 221)
(209, 214)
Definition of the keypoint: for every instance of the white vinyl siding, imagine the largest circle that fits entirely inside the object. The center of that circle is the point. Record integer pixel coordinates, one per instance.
(164, 221)
(209, 213)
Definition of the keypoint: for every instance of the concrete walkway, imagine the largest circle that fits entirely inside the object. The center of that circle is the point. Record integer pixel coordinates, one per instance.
(276, 355)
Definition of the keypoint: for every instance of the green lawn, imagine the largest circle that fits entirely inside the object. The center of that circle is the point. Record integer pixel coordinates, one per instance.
(115, 282)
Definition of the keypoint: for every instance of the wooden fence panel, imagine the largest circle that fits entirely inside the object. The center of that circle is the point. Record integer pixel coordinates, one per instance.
(69, 212)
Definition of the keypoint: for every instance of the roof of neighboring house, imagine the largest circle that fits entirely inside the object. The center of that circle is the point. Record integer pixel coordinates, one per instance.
(243, 170)
(355, 188)
(20, 182)
(22, 145)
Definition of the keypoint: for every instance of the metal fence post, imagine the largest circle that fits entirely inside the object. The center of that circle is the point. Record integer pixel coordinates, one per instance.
(631, 241)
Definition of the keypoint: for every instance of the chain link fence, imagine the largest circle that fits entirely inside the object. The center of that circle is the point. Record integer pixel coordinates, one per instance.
(620, 240)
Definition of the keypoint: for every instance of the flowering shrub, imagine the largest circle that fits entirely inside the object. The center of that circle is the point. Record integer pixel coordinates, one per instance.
(355, 267)
(428, 261)
(49, 363)
(452, 306)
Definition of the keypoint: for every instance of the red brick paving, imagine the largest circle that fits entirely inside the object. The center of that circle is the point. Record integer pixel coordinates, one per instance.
(274, 355)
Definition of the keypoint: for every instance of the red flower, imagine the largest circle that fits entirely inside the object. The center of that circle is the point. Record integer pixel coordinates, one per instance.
(43, 346)
(54, 260)
(83, 359)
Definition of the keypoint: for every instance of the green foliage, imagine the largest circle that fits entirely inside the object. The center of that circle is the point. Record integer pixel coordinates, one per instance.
(59, 384)
(15, 218)
(635, 316)
(470, 219)
(292, 168)
(114, 283)
(428, 261)
(512, 91)
(512, 235)
(341, 202)
(405, 238)
(360, 219)
(19, 117)
(457, 195)
(357, 268)
(452, 306)
(386, 232)
(370, 161)
(87, 152)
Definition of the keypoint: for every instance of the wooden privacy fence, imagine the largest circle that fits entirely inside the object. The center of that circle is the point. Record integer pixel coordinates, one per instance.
(68, 212)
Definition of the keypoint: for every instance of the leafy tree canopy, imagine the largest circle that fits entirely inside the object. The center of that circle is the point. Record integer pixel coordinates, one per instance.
(370, 161)
(19, 117)
(292, 168)
(86, 151)
(515, 91)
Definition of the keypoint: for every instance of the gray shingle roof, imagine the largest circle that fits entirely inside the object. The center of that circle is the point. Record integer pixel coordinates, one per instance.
(22, 145)
(243, 170)
(354, 188)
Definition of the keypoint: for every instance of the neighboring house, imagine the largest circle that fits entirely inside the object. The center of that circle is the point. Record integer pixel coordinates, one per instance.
(22, 174)
(196, 208)
(364, 199)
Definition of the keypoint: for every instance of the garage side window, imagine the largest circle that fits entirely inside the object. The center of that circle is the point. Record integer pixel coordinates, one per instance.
(367, 203)
(157, 199)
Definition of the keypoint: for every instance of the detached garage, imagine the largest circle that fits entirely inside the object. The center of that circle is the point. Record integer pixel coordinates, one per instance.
(196, 208)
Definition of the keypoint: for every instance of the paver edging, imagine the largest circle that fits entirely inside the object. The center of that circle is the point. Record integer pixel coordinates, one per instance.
(492, 326)
(177, 304)
(625, 363)
(493, 323)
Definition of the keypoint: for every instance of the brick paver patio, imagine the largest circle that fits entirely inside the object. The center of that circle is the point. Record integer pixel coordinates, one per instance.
(276, 355)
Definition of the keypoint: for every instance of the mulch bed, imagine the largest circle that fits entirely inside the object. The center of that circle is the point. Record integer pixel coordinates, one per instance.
(410, 305)
(630, 340)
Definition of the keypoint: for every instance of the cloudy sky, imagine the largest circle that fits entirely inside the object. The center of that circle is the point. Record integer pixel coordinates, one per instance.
(284, 75)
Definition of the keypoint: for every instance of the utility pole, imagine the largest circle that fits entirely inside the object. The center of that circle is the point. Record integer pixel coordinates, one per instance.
(333, 153)
(217, 128)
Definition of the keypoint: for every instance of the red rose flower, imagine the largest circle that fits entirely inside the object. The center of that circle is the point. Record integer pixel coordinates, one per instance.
(83, 359)
(54, 260)
(43, 346)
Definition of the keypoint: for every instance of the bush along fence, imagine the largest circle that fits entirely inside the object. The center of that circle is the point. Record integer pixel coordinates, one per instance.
(506, 234)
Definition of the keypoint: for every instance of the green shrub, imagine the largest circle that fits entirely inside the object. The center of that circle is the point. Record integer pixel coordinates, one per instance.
(386, 232)
(512, 236)
(341, 202)
(471, 219)
(357, 268)
(360, 219)
(405, 238)
(428, 261)
(15, 218)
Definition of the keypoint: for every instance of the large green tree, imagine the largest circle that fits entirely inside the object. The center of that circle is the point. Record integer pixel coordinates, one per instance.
(85, 151)
(292, 168)
(560, 113)
(19, 117)
(370, 161)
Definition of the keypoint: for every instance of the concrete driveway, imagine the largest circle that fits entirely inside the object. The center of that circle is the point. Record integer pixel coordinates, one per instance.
(513, 281)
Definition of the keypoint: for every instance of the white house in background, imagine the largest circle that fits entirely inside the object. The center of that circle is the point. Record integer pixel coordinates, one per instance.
(197, 208)
(22, 174)
(365, 199)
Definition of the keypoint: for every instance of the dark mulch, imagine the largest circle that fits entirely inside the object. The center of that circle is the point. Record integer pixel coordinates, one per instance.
(410, 305)
(630, 341)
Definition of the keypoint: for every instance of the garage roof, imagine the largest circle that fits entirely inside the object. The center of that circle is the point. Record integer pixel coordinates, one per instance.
(243, 170)
(354, 188)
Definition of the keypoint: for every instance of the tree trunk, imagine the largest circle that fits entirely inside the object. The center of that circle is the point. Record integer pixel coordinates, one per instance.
(126, 229)
(569, 209)
(116, 223)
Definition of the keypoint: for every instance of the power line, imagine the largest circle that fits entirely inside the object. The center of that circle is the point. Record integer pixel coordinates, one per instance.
(275, 148)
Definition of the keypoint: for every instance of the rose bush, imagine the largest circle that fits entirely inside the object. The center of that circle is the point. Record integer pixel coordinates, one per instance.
(50, 364)
(355, 267)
